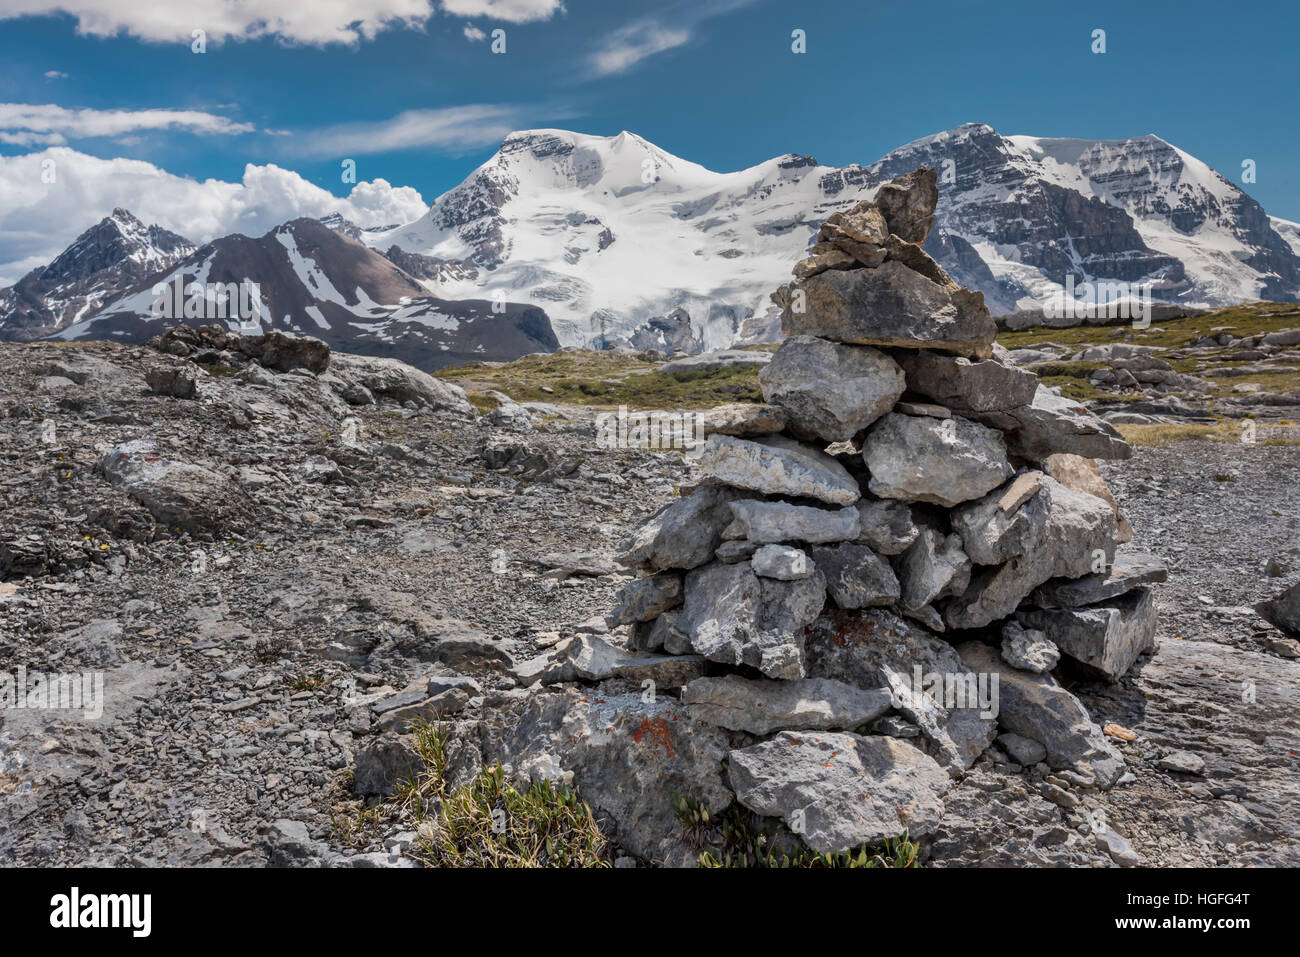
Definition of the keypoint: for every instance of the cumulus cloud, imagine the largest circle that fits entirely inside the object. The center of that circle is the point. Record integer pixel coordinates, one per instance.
(473, 33)
(31, 124)
(39, 219)
(451, 129)
(320, 23)
(55, 75)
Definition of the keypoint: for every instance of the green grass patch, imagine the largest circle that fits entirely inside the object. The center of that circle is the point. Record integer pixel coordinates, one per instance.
(491, 823)
(739, 838)
(606, 379)
(1247, 319)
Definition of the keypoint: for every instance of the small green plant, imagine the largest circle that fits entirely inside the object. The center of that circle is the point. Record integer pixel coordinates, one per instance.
(736, 837)
(491, 823)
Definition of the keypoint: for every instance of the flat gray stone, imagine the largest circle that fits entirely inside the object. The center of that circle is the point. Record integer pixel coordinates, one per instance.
(683, 534)
(966, 386)
(1037, 707)
(856, 577)
(770, 523)
(886, 525)
(943, 462)
(778, 466)
(1129, 570)
(840, 790)
(761, 706)
(828, 390)
(1104, 639)
(782, 562)
(1054, 423)
(1028, 649)
(645, 598)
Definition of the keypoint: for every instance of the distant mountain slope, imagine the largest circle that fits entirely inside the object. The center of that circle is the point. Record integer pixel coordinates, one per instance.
(305, 277)
(612, 234)
(107, 259)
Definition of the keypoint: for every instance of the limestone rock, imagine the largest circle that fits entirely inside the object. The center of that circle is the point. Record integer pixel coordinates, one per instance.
(1028, 649)
(1283, 610)
(761, 706)
(966, 386)
(774, 522)
(944, 462)
(934, 567)
(644, 598)
(779, 466)
(1037, 707)
(907, 203)
(886, 525)
(683, 534)
(1129, 570)
(890, 305)
(828, 390)
(734, 617)
(177, 494)
(1052, 424)
(840, 790)
(1105, 639)
(856, 577)
(743, 419)
(872, 647)
(782, 562)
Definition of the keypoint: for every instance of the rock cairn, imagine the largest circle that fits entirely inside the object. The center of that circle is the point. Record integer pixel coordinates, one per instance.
(907, 521)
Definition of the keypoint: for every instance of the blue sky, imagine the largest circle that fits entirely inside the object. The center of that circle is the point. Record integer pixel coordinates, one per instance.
(713, 81)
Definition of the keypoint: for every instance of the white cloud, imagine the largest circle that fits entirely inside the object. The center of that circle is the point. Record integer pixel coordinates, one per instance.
(48, 124)
(512, 11)
(631, 44)
(38, 220)
(473, 33)
(453, 129)
(55, 75)
(317, 24)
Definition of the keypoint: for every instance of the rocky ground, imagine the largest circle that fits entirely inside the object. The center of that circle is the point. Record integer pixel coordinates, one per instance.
(294, 549)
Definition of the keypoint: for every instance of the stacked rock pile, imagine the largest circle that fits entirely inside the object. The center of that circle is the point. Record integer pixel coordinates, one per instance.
(886, 563)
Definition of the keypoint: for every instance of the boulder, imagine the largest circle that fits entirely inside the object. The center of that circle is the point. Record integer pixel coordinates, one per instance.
(891, 305)
(1028, 649)
(284, 351)
(778, 466)
(774, 522)
(886, 525)
(1053, 423)
(856, 577)
(384, 764)
(874, 647)
(840, 790)
(1056, 533)
(944, 462)
(645, 598)
(629, 757)
(782, 563)
(395, 380)
(683, 534)
(1104, 639)
(907, 204)
(743, 419)
(179, 381)
(934, 567)
(177, 494)
(966, 386)
(828, 390)
(1035, 706)
(1129, 570)
(713, 361)
(734, 617)
(1283, 610)
(761, 706)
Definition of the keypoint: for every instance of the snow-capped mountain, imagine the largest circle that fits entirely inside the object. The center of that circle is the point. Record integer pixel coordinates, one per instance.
(107, 259)
(612, 234)
(307, 278)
